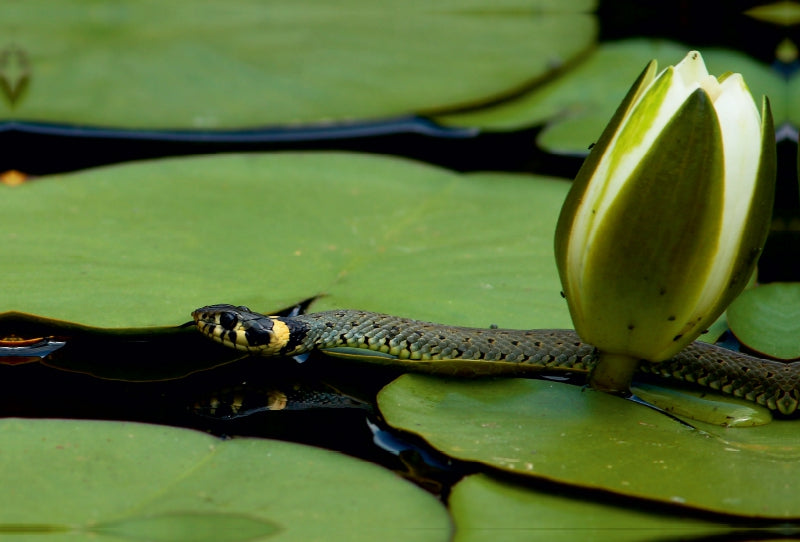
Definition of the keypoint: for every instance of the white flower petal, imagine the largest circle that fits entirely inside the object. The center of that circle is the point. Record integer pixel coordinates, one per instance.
(691, 69)
(740, 123)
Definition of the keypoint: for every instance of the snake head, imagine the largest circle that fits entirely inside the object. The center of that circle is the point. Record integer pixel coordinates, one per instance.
(240, 328)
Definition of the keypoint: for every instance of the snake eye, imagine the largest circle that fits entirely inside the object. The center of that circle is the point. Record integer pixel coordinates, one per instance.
(228, 320)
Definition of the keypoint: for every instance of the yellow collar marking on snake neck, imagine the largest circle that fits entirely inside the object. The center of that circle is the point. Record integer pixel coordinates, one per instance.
(280, 334)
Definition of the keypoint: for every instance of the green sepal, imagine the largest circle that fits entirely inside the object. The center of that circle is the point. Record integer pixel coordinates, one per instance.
(635, 299)
(575, 196)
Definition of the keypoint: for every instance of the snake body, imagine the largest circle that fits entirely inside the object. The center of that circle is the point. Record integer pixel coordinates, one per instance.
(773, 384)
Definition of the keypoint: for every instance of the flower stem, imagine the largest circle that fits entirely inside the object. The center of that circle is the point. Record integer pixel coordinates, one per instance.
(613, 373)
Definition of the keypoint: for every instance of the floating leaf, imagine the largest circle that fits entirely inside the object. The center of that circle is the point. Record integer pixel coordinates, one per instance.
(767, 319)
(251, 63)
(703, 405)
(126, 481)
(192, 527)
(562, 433)
(483, 506)
(579, 104)
(780, 13)
(145, 244)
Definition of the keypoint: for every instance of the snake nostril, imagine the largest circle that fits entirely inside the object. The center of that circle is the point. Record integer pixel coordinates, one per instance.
(228, 320)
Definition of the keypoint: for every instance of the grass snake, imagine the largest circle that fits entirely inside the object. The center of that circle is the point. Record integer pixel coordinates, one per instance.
(437, 348)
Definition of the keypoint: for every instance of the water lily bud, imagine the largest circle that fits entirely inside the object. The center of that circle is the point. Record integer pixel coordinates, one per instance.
(667, 216)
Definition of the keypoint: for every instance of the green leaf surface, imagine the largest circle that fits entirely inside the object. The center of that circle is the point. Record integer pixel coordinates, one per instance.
(703, 405)
(793, 100)
(767, 319)
(484, 506)
(145, 244)
(559, 432)
(578, 105)
(125, 481)
(249, 63)
(188, 527)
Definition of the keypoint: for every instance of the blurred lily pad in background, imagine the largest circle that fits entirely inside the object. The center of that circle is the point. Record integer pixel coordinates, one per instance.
(467, 64)
(128, 481)
(766, 319)
(145, 244)
(577, 105)
(234, 65)
(783, 13)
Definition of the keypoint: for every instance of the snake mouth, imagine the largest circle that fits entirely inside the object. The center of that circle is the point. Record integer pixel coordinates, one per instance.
(207, 321)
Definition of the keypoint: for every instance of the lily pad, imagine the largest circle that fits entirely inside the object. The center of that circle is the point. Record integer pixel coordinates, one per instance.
(483, 505)
(703, 405)
(767, 319)
(578, 105)
(126, 481)
(779, 13)
(250, 63)
(145, 244)
(559, 432)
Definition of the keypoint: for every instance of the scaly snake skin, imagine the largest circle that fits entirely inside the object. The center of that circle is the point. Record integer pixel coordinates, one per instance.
(773, 384)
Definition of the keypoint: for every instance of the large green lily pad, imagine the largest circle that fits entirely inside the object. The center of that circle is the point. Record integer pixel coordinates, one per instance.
(578, 105)
(126, 481)
(145, 244)
(765, 319)
(483, 506)
(562, 433)
(251, 63)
